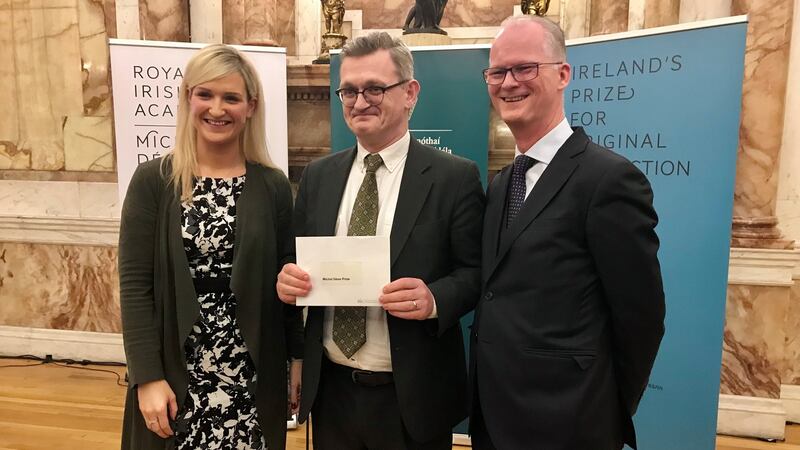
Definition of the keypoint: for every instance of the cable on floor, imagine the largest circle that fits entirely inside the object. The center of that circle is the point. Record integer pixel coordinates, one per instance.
(68, 363)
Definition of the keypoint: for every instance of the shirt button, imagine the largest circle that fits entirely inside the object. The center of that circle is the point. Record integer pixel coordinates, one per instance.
(488, 297)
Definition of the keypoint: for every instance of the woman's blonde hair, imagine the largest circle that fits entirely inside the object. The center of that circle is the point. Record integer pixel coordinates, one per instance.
(209, 64)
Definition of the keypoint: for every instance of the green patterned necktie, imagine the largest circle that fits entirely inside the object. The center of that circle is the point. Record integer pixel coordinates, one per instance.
(350, 322)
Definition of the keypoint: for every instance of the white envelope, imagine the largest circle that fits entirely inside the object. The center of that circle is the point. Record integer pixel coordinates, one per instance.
(344, 270)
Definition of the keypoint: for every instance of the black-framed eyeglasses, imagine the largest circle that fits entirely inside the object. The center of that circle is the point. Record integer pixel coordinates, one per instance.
(373, 95)
(520, 72)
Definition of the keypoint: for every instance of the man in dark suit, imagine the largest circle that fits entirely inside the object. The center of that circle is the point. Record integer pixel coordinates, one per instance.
(572, 310)
(390, 377)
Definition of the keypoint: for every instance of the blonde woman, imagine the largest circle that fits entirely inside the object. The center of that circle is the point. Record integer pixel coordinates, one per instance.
(203, 234)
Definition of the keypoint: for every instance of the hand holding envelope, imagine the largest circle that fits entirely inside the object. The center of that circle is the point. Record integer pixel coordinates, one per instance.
(344, 270)
(351, 271)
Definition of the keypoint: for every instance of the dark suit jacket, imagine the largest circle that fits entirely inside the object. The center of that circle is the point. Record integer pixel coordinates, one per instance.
(159, 303)
(435, 237)
(572, 311)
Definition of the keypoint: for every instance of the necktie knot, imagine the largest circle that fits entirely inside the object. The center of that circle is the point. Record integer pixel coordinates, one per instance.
(372, 162)
(522, 163)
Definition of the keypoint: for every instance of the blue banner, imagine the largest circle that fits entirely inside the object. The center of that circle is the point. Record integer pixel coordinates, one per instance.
(670, 103)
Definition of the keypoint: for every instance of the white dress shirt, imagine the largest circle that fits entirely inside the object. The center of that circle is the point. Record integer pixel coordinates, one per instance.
(543, 151)
(375, 353)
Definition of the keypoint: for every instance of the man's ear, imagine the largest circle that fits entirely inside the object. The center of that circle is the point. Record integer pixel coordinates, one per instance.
(412, 93)
(564, 74)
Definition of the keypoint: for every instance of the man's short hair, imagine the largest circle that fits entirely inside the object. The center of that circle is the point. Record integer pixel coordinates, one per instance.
(381, 40)
(554, 33)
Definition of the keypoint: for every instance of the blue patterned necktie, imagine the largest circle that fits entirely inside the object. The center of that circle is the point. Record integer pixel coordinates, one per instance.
(350, 322)
(516, 191)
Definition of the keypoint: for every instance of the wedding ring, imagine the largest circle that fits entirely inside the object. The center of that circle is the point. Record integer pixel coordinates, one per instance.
(414, 302)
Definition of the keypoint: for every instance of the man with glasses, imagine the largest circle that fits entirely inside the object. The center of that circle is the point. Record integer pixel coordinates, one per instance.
(390, 377)
(572, 310)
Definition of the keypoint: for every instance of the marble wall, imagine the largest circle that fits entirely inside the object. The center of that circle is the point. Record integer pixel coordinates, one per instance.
(791, 370)
(608, 16)
(63, 287)
(55, 78)
(754, 340)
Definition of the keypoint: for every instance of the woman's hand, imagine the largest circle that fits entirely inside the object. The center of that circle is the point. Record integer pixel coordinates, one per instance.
(295, 377)
(155, 398)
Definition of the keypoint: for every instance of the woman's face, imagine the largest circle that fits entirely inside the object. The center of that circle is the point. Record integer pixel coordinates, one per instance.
(219, 110)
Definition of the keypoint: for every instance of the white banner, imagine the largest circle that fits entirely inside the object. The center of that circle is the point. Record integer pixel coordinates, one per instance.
(146, 77)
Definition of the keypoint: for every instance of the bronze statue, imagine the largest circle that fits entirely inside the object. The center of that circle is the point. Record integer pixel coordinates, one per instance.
(333, 11)
(426, 16)
(540, 7)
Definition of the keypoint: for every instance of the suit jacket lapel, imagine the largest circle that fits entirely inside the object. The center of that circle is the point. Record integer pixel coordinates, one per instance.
(493, 219)
(494, 213)
(414, 188)
(331, 189)
(558, 172)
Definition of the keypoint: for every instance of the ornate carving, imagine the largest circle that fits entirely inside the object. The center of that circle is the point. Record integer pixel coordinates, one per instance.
(297, 96)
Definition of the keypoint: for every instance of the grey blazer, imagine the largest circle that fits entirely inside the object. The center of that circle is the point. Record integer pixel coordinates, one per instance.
(159, 303)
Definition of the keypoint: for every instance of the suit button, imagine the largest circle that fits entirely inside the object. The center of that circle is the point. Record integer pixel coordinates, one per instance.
(488, 297)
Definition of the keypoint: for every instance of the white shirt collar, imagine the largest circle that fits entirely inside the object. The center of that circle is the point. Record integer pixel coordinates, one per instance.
(545, 149)
(392, 155)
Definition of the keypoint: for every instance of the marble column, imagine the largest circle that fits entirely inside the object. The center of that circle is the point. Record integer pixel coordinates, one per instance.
(652, 13)
(88, 136)
(608, 16)
(659, 13)
(308, 29)
(788, 204)
(574, 18)
(12, 155)
(164, 20)
(284, 26)
(788, 211)
(110, 17)
(206, 21)
(127, 19)
(636, 12)
(694, 10)
(249, 21)
(761, 131)
(44, 45)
